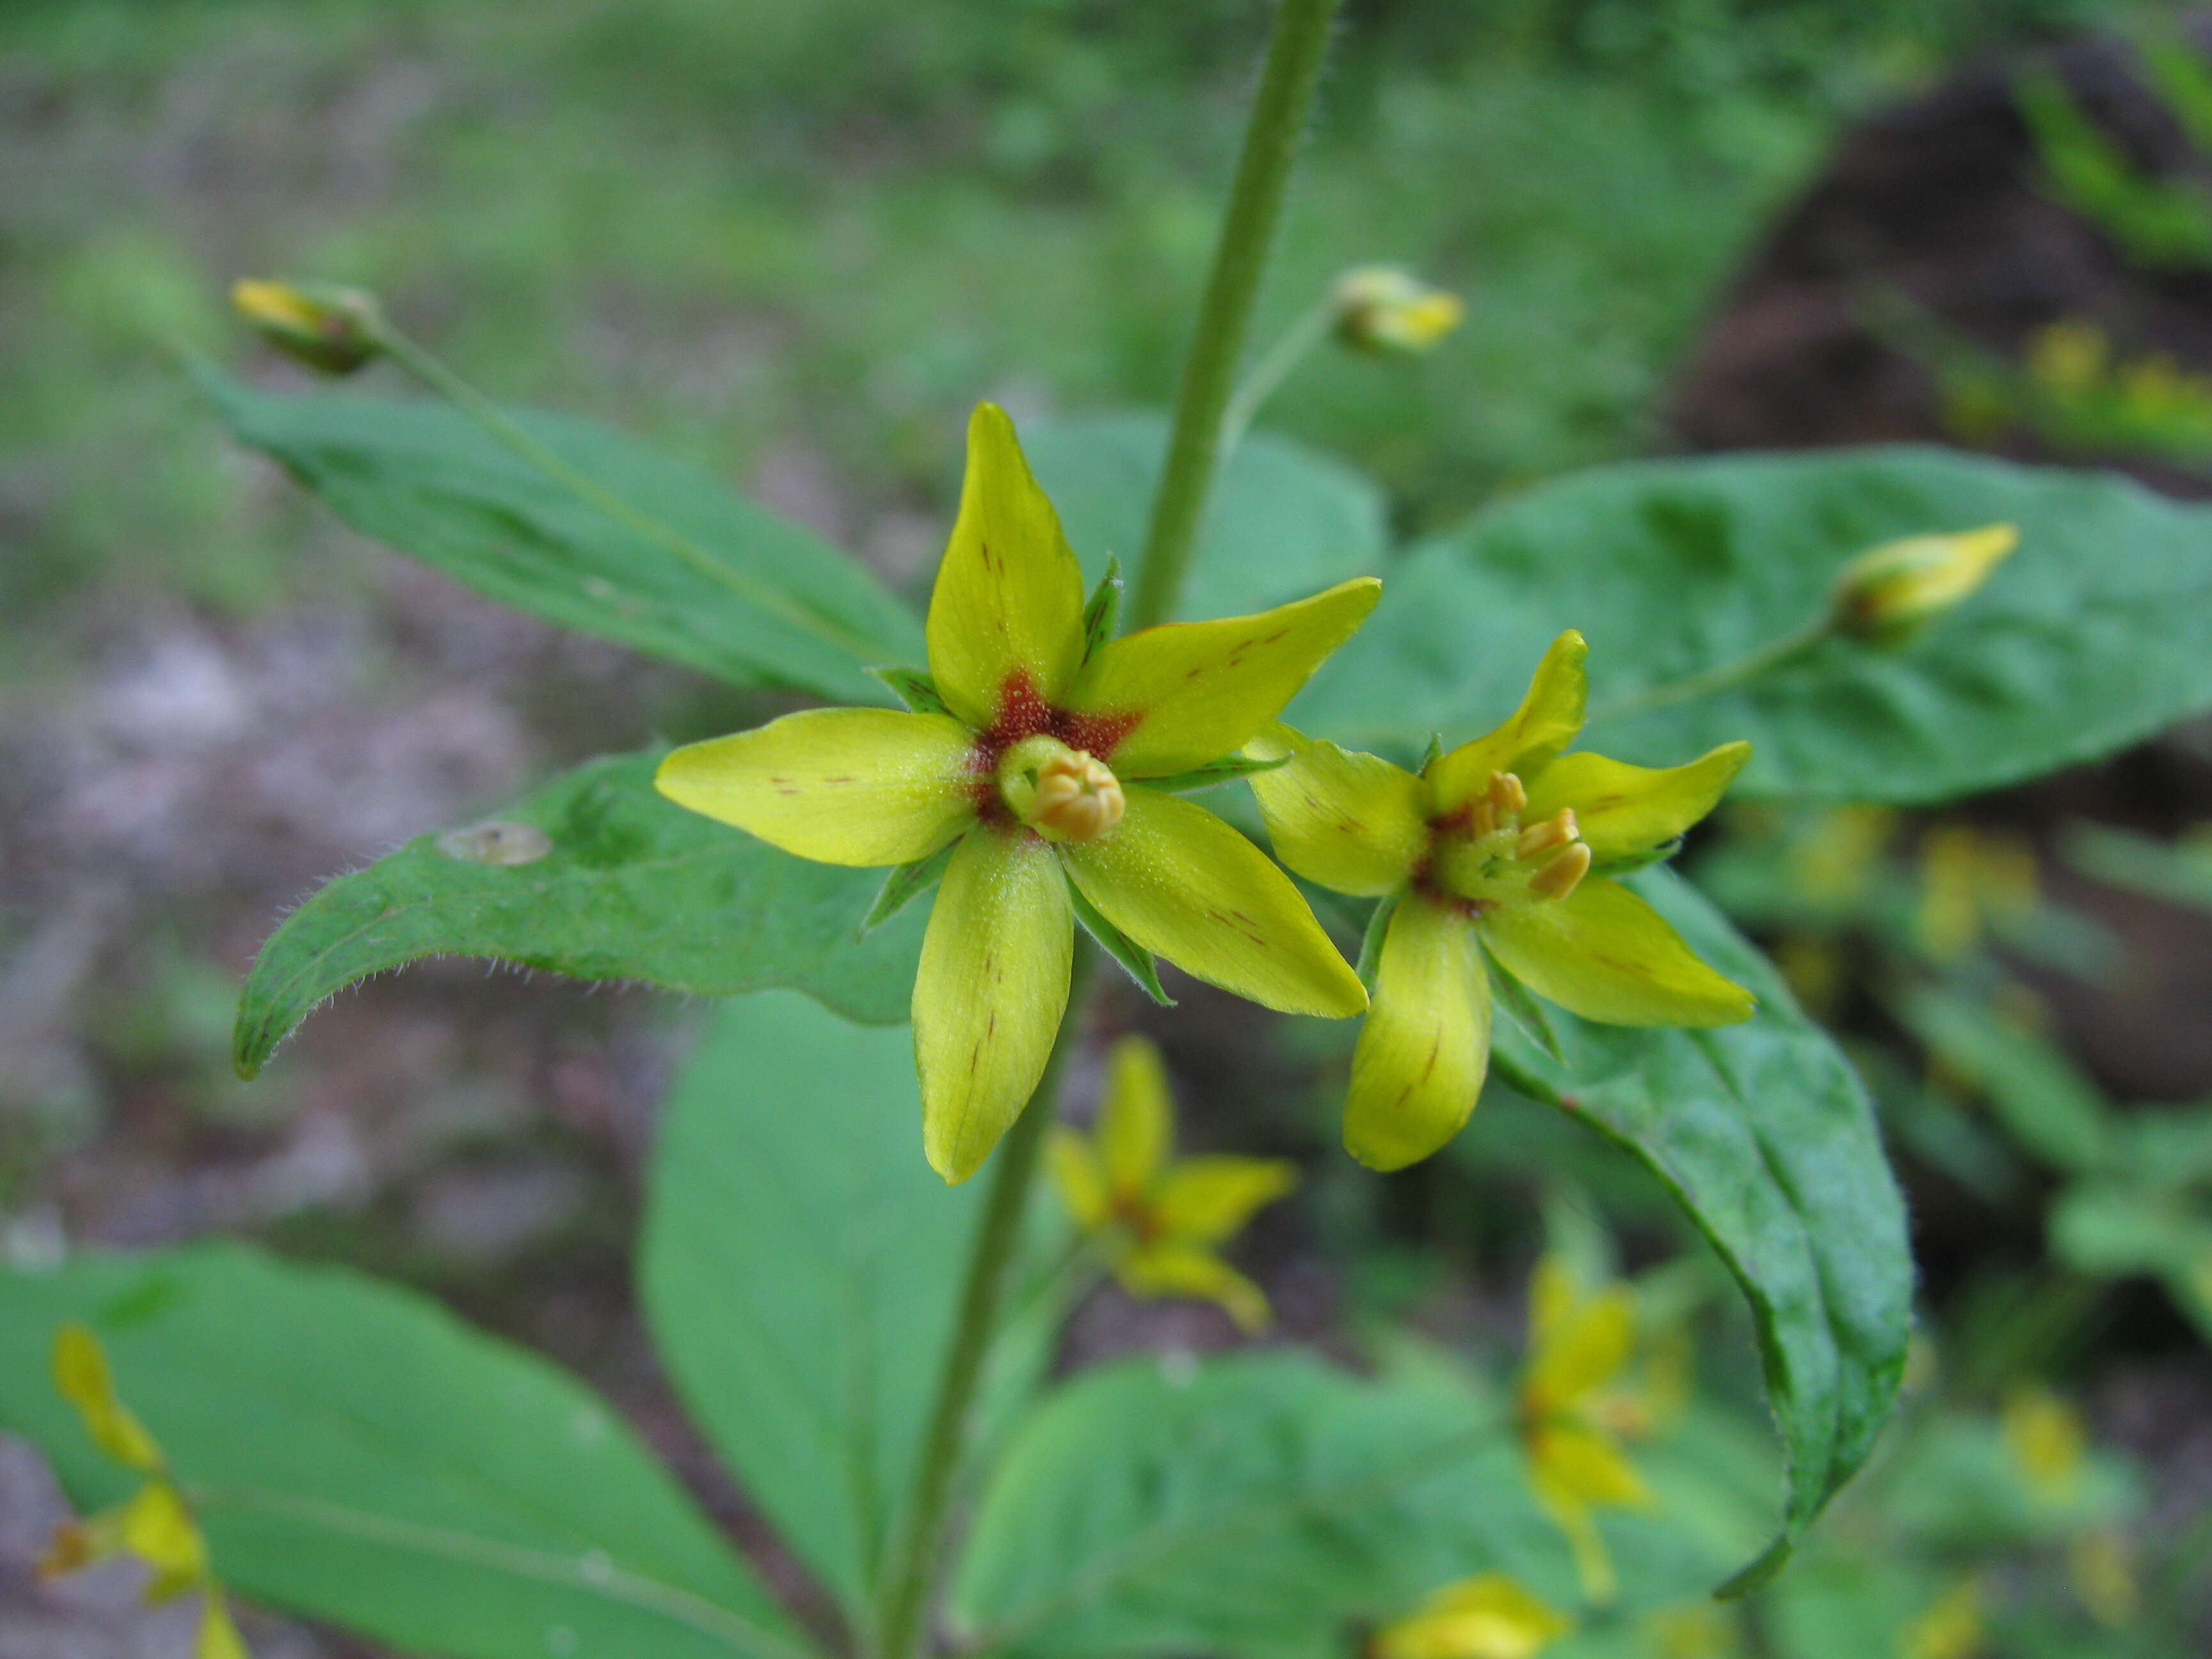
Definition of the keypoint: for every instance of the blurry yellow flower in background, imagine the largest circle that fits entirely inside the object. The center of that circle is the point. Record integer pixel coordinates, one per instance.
(1382, 308)
(1162, 1220)
(1495, 857)
(1570, 1422)
(1950, 1627)
(1032, 765)
(154, 1525)
(2100, 1566)
(1486, 1616)
(2047, 1442)
(1969, 880)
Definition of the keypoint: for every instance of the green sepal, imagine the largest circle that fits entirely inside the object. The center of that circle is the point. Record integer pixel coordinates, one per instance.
(1119, 946)
(1371, 943)
(913, 687)
(1433, 753)
(1523, 1006)
(1213, 772)
(1629, 862)
(906, 883)
(1103, 612)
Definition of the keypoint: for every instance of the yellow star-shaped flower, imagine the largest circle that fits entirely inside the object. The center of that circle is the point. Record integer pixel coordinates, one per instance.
(154, 1525)
(1162, 1220)
(1578, 1345)
(1034, 769)
(1486, 1616)
(1495, 854)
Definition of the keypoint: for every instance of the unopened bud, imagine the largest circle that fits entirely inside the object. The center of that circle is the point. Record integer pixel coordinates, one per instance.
(327, 328)
(1889, 591)
(1564, 873)
(1077, 798)
(1382, 308)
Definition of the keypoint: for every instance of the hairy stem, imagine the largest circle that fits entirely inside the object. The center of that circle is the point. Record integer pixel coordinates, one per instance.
(904, 1632)
(1240, 259)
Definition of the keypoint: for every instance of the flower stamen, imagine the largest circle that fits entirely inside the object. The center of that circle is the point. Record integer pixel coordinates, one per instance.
(1078, 796)
(1555, 831)
(1559, 877)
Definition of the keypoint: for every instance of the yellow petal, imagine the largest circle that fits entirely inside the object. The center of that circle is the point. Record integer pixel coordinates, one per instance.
(1008, 603)
(160, 1531)
(82, 1375)
(1204, 1200)
(1605, 954)
(1579, 1349)
(839, 785)
(1201, 690)
(1593, 1561)
(1081, 1181)
(1486, 1616)
(1573, 1460)
(1186, 886)
(1136, 1124)
(1622, 809)
(1544, 724)
(1418, 1066)
(1180, 1270)
(1350, 822)
(990, 992)
(219, 1637)
(1552, 1298)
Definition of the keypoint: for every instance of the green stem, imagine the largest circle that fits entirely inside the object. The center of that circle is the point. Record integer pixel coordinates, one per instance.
(908, 1585)
(1274, 367)
(1725, 678)
(1240, 259)
(499, 425)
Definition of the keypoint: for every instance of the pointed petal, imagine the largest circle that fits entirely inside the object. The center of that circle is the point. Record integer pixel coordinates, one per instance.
(1350, 822)
(218, 1638)
(160, 1531)
(1080, 1179)
(1486, 1616)
(1593, 1561)
(1545, 722)
(1605, 954)
(839, 785)
(1179, 1270)
(1574, 1460)
(1186, 886)
(990, 992)
(1422, 1054)
(1201, 689)
(1136, 1126)
(1581, 1349)
(81, 1377)
(1622, 809)
(1009, 596)
(1204, 1200)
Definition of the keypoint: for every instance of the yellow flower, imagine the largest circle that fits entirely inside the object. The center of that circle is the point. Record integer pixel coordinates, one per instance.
(1968, 878)
(326, 328)
(1950, 1627)
(2046, 1440)
(2100, 1566)
(1579, 1347)
(1494, 857)
(1382, 308)
(1161, 1219)
(1486, 1616)
(154, 1525)
(1030, 759)
(1888, 592)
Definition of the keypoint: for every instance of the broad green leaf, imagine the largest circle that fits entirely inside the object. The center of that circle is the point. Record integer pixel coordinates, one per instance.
(722, 585)
(800, 1267)
(360, 1455)
(1253, 1507)
(1764, 1134)
(624, 885)
(1283, 521)
(2096, 633)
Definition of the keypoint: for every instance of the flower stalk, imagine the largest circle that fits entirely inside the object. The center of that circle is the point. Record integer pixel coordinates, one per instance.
(1295, 52)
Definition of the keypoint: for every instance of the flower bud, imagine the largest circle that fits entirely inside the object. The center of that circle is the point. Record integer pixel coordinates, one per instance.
(327, 328)
(1888, 592)
(1062, 793)
(1384, 309)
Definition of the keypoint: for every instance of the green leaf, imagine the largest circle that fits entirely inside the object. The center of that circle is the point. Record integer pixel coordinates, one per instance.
(1522, 1006)
(1224, 770)
(629, 886)
(725, 586)
(1764, 1135)
(360, 1455)
(905, 884)
(800, 1266)
(1253, 1507)
(1283, 521)
(1136, 961)
(1672, 568)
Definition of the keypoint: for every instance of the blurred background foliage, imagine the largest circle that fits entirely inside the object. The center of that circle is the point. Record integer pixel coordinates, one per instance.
(796, 243)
